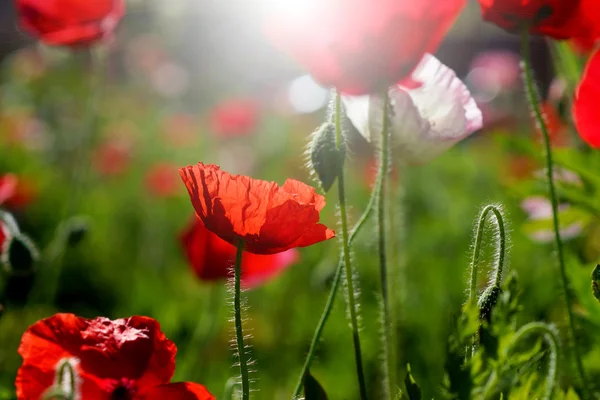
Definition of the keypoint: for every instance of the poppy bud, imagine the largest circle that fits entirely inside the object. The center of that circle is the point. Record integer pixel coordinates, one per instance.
(488, 301)
(21, 255)
(326, 159)
(66, 380)
(75, 230)
(596, 282)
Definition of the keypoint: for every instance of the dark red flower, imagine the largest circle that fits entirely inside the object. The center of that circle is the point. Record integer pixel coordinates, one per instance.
(554, 18)
(237, 117)
(585, 105)
(266, 217)
(161, 180)
(70, 22)
(362, 46)
(122, 359)
(212, 258)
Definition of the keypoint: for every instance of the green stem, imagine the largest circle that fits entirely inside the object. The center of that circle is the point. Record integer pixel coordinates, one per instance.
(501, 250)
(389, 364)
(238, 322)
(535, 105)
(333, 292)
(346, 254)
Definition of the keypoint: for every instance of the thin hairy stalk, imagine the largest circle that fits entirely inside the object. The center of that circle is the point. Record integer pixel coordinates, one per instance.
(239, 335)
(46, 284)
(501, 250)
(333, 292)
(351, 296)
(535, 106)
(389, 360)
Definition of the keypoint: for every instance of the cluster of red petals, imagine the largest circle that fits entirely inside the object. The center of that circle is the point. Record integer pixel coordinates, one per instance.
(237, 117)
(212, 258)
(585, 106)
(70, 22)
(113, 157)
(125, 359)
(362, 46)
(265, 217)
(559, 19)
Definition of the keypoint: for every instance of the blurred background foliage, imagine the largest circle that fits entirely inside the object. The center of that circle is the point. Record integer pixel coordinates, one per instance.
(148, 103)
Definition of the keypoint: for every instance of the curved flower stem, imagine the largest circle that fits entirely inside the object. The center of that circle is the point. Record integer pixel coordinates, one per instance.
(535, 106)
(501, 250)
(388, 353)
(333, 292)
(346, 254)
(239, 335)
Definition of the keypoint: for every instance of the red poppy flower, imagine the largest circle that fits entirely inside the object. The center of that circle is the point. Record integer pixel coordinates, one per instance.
(585, 106)
(122, 359)
(362, 46)
(70, 22)
(266, 217)
(212, 258)
(554, 18)
(161, 180)
(236, 117)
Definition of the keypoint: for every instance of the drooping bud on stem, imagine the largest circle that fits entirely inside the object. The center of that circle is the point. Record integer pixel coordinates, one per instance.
(326, 159)
(66, 382)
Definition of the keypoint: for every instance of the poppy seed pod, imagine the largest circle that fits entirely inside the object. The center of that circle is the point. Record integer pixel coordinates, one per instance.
(326, 159)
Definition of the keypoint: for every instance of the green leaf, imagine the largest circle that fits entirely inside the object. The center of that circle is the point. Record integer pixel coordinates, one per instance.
(313, 389)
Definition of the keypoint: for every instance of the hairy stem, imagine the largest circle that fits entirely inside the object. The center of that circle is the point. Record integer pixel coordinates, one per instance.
(535, 106)
(389, 360)
(237, 307)
(346, 256)
(333, 292)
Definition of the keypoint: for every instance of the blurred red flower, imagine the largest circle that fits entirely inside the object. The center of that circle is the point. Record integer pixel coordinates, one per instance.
(4, 234)
(237, 117)
(362, 46)
(557, 128)
(8, 187)
(212, 258)
(113, 157)
(122, 359)
(585, 105)
(16, 192)
(266, 217)
(161, 180)
(70, 22)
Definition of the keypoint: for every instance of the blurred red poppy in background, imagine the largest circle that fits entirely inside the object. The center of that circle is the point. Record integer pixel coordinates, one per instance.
(362, 46)
(237, 117)
(162, 180)
(113, 157)
(212, 258)
(266, 217)
(585, 105)
(125, 359)
(15, 192)
(70, 22)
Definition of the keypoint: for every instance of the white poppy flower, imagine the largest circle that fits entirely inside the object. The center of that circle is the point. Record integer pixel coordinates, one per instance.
(425, 120)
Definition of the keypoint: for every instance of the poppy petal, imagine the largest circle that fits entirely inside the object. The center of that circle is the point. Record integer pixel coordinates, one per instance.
(177, 391)
(585, 106)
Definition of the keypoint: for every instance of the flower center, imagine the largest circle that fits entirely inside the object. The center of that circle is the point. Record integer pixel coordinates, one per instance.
(121, 389)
